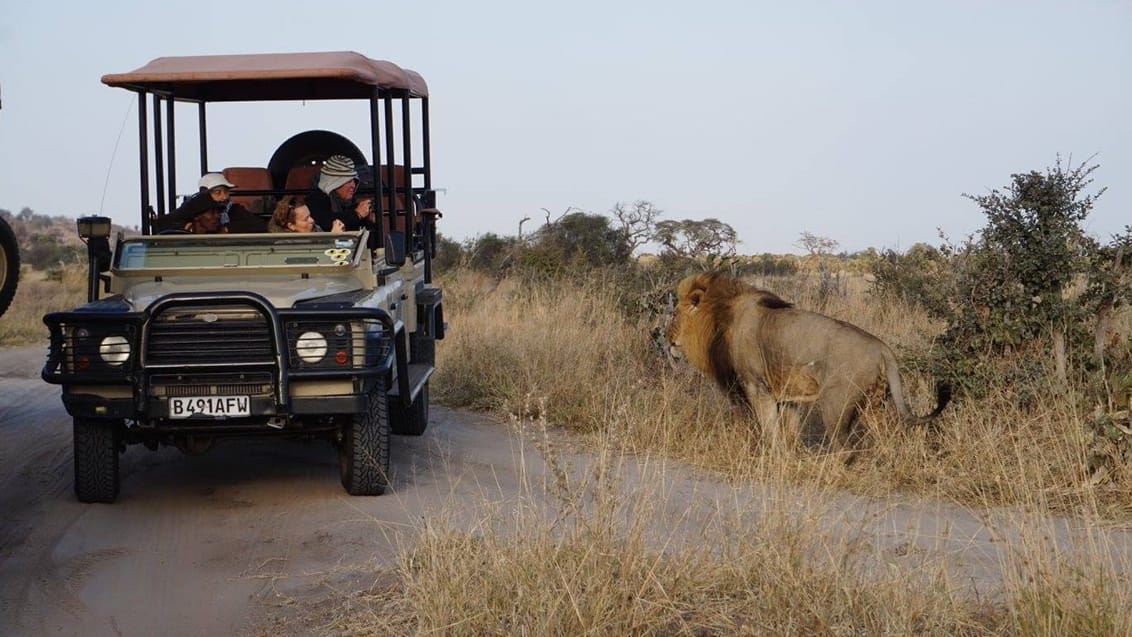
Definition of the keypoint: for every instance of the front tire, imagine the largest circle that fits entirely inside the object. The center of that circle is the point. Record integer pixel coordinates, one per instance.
(96, 459)
(363, 455)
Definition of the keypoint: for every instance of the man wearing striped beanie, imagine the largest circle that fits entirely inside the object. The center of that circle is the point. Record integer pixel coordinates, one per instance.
(334, 197)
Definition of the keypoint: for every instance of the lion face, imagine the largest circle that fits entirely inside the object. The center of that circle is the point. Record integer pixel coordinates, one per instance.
(685, 323)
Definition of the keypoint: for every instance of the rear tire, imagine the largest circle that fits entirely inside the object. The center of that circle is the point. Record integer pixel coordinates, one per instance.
(414, 420)
(422, 349)
(9, 265)
(96, 459)
(363, 456)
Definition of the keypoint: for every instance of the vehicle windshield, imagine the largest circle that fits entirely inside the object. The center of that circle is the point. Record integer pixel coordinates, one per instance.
(310, 249)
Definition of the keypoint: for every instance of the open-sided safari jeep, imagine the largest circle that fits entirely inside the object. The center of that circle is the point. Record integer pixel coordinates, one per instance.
(191, 338)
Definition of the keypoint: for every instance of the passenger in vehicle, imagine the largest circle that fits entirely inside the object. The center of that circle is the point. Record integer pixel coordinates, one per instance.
(293, 215)
(198, 215)
(233, 216)
(334, 198)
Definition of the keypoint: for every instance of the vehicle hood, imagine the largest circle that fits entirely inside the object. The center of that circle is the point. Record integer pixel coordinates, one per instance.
(281, 293)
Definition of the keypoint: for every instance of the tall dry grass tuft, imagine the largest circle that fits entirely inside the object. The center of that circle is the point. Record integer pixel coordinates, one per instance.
(39, 293)
(1056, 587)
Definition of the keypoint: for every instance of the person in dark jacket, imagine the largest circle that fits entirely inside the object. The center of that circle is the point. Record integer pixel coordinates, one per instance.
(334, 198)
(197, 215)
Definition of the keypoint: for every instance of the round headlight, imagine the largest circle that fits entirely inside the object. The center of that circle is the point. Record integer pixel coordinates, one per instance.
(311, 347)
(115, 350)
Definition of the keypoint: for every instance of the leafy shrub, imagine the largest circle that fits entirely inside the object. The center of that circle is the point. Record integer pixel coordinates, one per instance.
(921, 276)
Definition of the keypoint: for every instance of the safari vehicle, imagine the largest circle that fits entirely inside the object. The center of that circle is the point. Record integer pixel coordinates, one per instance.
(190, 339)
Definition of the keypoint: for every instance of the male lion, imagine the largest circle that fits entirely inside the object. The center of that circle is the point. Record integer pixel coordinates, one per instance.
(763, 351)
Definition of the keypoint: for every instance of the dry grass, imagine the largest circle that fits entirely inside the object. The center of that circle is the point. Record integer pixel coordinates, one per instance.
(36, 295)
(593, 551)
(603, 561)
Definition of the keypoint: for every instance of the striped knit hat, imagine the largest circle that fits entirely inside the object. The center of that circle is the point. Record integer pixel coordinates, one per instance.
(336, 170)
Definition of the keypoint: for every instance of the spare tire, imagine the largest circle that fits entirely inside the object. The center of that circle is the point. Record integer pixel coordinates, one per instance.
(9, 265)
(307, 147)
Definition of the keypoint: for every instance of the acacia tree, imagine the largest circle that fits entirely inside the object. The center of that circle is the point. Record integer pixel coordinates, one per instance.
(637, 221)
(583, 235)
(693, 239)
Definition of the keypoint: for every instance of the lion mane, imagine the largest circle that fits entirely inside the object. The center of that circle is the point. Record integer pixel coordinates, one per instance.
(762, 351)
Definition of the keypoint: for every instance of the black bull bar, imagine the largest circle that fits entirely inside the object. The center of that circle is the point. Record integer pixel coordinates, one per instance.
(55, 370)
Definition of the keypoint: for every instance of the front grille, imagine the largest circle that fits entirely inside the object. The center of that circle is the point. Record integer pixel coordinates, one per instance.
(244, 384)
(228, 334)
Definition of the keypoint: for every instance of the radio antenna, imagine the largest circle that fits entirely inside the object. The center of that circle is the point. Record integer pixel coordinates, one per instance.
(105, 184)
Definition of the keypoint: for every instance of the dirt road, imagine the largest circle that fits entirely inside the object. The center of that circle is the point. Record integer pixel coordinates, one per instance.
(214, 544)
(251, 538)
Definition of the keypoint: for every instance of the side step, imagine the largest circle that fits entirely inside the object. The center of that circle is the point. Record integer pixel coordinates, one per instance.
(419, 373)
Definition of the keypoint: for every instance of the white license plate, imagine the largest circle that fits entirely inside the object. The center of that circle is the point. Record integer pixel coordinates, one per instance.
(190, 406)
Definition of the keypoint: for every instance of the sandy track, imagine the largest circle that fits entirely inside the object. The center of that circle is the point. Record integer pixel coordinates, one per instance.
(252, 538)
(222, 543)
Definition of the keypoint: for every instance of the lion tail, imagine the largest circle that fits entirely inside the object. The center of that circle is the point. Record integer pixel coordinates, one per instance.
(896, 388)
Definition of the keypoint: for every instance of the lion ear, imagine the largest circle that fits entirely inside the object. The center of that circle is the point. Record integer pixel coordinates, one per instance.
(695, 296)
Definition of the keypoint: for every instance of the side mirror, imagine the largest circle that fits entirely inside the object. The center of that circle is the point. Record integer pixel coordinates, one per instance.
(395, 248)
(94, 227)
(95, 231)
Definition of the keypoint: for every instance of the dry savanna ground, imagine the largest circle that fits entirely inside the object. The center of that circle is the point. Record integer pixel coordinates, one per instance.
(580, 356)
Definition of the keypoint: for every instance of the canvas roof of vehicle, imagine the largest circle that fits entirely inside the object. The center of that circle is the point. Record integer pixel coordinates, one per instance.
(270, 76)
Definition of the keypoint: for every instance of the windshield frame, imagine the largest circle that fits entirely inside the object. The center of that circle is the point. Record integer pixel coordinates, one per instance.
(148, 255)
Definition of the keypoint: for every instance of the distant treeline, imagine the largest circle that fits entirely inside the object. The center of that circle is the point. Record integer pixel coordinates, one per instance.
(46, 241)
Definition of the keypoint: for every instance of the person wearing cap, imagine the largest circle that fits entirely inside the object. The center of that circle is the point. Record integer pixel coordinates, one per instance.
(215, 192)
(334, 198)
(197, 215)
(233, 216)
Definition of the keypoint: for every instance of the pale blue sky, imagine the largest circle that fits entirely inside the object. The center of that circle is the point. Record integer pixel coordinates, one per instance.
(858, 121)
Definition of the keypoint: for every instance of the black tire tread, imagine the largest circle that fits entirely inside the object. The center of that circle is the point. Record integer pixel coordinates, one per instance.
(96, 460)
(364, 453)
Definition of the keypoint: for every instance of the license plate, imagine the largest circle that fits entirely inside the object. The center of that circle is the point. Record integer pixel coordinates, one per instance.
(192, 406)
